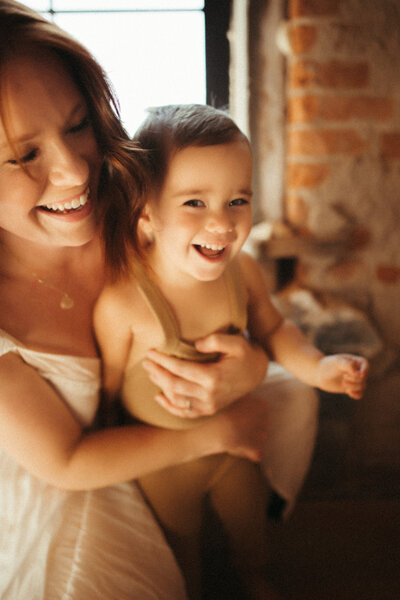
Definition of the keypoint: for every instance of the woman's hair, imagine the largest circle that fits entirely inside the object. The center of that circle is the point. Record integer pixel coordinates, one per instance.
(168, 129)
(123, 176)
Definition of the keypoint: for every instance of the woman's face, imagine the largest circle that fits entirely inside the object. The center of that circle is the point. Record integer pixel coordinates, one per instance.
(51, 200)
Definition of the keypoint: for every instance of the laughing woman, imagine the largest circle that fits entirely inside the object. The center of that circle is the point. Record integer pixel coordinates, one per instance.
(72, 523)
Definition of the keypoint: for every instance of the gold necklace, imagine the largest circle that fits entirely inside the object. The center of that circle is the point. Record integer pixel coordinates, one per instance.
(66, 301)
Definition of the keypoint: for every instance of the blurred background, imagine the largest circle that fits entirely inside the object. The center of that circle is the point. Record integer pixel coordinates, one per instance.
(316, 85)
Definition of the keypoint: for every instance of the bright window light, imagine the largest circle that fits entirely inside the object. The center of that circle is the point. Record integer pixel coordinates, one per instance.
(151, 57)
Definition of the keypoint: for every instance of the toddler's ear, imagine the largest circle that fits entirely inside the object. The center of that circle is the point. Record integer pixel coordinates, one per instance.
(145, 228)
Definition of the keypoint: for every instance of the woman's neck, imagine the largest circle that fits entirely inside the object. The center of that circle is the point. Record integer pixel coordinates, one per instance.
(18, 256)
(47, 294)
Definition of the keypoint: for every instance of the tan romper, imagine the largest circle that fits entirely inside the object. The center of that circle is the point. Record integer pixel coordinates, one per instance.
(235, 486)
(138, 390)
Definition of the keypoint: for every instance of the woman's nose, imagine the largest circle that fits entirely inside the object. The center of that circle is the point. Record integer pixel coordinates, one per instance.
(67, 167)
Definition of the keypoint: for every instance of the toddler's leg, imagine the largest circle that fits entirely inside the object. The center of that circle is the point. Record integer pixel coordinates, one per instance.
(176, 496)
(240, 497)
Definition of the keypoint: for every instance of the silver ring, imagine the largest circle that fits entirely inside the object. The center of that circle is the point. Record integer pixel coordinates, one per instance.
(188, 405)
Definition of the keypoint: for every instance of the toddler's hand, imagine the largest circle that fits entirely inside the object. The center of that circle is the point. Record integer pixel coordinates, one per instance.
(343, 374)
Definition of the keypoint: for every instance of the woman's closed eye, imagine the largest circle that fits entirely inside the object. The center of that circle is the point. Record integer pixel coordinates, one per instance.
(83, 124)
(30, 156)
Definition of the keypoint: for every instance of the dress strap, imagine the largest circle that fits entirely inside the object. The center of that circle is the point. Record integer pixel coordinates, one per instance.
(157, 303)
(161, 309)
(237, 297)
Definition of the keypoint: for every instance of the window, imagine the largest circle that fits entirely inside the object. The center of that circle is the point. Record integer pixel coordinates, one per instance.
(152, 50)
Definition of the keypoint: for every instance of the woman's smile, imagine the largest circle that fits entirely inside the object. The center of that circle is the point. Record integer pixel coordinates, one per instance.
(74, 209)
(68, 205)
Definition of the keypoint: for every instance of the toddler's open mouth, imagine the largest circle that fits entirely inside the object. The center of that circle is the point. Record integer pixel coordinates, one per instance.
(210, 251)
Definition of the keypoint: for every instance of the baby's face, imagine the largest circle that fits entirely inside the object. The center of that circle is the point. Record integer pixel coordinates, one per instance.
(202, 215)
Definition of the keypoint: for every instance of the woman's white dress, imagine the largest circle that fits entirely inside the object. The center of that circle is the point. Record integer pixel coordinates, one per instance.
(57, 545)
(77, 545)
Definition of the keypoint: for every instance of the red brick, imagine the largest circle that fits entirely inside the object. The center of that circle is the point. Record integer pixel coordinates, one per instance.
(309, 8)
(297, 211)
(335, 74)
(302, 38)
(304, 109)
(322, 142)
(390, 145)
(388, 274)
(306, 175)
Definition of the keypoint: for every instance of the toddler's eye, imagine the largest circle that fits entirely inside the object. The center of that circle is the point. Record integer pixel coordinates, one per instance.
(238, 202)
(24, 159)
(83, 124)
(194, 203)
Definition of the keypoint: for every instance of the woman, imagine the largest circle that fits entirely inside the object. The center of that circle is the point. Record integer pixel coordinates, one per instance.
(71, 523)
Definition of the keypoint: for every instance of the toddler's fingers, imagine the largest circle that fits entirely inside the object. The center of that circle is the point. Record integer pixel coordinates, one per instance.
(355, 366)
(355, 395)
(354, 390)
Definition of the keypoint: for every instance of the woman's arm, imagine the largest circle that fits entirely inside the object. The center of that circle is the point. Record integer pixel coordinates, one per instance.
(39, 431)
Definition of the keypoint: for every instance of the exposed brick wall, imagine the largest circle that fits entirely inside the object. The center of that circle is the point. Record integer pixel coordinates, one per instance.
(343, 148)
(328, 75)
(313, 8)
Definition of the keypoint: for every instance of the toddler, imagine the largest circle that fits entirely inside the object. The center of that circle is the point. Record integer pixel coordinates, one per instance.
(193, 279)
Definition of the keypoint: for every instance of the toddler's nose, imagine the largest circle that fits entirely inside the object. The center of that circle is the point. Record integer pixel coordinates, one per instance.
(220, 223)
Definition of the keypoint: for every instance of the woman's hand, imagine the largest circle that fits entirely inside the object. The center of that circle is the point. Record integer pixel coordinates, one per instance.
(192, 389)
(241, 428)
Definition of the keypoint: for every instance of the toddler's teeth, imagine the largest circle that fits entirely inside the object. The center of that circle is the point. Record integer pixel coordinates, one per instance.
(76, 203)
(215, 248)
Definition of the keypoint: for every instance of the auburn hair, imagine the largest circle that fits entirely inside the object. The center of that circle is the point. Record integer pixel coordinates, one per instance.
(123, 178)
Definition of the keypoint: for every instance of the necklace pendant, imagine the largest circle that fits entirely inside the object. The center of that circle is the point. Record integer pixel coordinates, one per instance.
(66, 302)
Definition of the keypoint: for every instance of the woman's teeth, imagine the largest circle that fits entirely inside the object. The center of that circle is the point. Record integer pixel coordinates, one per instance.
(72, 205)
